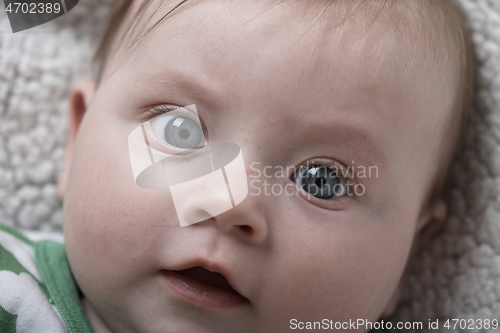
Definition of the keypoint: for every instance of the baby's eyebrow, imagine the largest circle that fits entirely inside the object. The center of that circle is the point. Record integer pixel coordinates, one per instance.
(358, 139)
(177, 82)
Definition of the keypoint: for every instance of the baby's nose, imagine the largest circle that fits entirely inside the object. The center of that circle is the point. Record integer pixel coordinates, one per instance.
(202, 198)
(208, 184)
(245, 220)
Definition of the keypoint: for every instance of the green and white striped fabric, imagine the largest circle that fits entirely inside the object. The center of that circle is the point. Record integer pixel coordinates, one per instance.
(37, 292)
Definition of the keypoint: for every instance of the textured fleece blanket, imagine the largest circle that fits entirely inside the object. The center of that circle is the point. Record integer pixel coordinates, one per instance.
(457, 275)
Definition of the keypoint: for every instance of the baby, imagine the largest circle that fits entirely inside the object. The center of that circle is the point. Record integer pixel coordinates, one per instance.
(368, 97)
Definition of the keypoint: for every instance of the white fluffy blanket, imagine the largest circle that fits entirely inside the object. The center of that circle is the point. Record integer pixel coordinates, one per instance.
(456, 276)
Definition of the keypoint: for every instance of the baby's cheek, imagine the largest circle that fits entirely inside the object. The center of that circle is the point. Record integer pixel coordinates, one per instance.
(341, 270)
(112, 227)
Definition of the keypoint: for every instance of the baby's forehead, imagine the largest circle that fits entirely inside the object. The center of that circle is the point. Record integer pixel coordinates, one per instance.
(371, 29)
(325, 40)
(316, 27)
(356, 47)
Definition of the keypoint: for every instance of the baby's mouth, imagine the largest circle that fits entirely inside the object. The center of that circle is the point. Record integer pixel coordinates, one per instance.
(201, 287)
(204, 276)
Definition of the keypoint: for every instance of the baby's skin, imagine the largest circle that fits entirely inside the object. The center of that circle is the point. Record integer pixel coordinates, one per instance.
(291, 88)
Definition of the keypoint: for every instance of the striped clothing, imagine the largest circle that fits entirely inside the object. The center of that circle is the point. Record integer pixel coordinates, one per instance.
(37, 291)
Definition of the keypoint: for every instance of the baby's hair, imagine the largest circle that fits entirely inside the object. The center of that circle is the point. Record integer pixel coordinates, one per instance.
(417, 21)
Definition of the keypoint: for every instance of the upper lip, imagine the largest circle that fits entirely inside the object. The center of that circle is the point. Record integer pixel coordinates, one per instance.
(211, 266)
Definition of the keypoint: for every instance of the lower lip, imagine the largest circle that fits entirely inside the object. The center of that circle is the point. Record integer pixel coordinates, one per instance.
(202, 295)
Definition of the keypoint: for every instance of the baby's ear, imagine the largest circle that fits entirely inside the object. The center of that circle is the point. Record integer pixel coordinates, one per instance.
(430, 221)
(80, 95)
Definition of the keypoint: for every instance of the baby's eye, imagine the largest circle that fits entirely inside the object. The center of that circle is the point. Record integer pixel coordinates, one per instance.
(320, 182)
(179, 131)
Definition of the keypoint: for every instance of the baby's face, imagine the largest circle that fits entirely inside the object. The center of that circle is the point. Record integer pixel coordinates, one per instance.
(289, 92)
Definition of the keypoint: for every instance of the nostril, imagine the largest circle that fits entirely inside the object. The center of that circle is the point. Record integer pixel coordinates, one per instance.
(246, 229)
